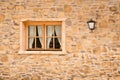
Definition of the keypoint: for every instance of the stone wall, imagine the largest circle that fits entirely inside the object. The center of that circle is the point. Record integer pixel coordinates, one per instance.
(89, 56)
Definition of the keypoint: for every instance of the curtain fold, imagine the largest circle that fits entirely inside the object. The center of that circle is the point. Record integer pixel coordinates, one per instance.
(31, 33)
(40, 33)
(58, 32)
(49, 33)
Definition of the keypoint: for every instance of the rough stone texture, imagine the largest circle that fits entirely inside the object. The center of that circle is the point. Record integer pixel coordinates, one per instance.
(1, 17)
(89, 56)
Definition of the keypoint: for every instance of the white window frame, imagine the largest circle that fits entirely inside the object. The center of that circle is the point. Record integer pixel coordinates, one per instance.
(22, 37)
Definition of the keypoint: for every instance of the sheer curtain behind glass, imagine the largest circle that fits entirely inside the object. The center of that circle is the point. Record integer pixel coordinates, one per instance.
(31, 33)
(40, 33)
(58, 32)
(49, 33)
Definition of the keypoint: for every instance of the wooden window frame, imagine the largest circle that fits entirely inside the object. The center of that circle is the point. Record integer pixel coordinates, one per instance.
(24, 33)
(44, 24)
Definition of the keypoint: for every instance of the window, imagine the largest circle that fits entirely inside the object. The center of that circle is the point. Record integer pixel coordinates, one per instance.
(42, 37)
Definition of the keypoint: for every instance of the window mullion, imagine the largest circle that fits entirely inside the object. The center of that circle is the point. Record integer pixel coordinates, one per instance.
(45, 37)
(53, 37)
(61, 37)
(35, 36)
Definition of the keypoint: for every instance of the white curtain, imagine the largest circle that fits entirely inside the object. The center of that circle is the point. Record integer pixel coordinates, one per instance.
(49, 33)
(40, 33)
(31, 33)
(58, 32)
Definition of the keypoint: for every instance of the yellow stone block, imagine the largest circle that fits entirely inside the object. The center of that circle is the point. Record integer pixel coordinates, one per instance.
(96, 50)
(36, 9)
(4, 59)
(36, 77)
(20, 7)
(11, 7)
(2, 17)
(67, 8)
(103, 24)
(116, 38)
(117, 77)
(76, 78)
(1, 48)
(104, 49)
(113, 8)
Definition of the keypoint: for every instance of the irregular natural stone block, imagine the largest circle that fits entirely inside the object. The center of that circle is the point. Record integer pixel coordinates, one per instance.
(4, 58)
(2, 17)
(77, 78)
(1, 78)
(11, 7)
(15, 47)
(61, 14)
(104, 49)
(102, 6)
(19, 7)
(36, 9)
(47, 0)
(111, 21)
(97, 50)
(117, 77)
(36, 77)
(79, 2)
(25, 78)
(115, 38)
(68, 22)
(103, 24)
(1, 48)
(67, 8)
(113, 8)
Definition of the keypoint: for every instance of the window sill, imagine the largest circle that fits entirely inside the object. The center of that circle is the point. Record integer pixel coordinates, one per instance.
(42, 52)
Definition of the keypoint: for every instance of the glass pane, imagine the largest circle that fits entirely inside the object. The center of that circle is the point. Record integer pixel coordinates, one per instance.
(58, 30)
(39, 42)
(40, 30)
(31, 43)
(57, 43)
(91, 25)
(49, 30)
(49, 42)
(31, 31)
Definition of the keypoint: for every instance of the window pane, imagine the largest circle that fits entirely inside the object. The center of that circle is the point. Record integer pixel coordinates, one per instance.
(49, 30)
(31, 43)
(40, 30)
(39, 42)
(49, 42)
(58, 30)
(57, 43)
(31, 31)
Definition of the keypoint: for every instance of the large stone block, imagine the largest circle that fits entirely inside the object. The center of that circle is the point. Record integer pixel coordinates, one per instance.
(76, 78)
(67, 8)
(1, 48)
(10, 7)
(113, 8)
(20, 7)
(117, 77)
(2, 17)
(4, 58)
(36, 77)
(116, 38)
(103, 24)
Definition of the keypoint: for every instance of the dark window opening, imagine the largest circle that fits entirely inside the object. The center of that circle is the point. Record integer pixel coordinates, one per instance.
(54, 40)
(38, 42)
